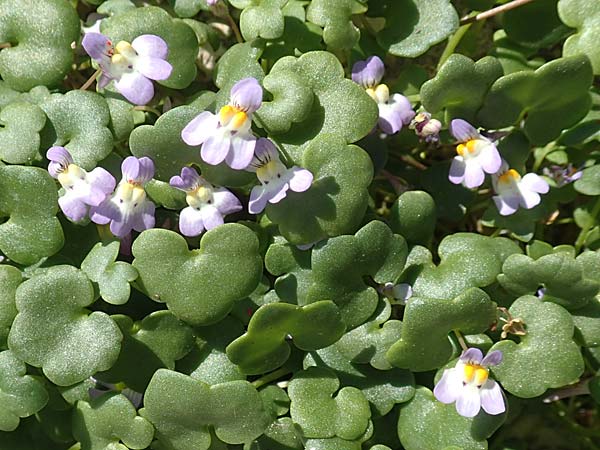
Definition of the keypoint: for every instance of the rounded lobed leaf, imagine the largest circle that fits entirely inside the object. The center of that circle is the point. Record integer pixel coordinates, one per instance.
(20, 127)
(10, 278)
(585, 16)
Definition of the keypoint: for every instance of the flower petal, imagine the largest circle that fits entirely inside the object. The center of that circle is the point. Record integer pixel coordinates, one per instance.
(449, 387)
(188, 180)
(492, 358)
(190, 222)
(153, 68)
(60, 155)
(211, 217)
(96, 45)
(103, 80)
(456, 174)
(490, 159)
(535, 183)
(492, 400)
(144, 219)
(241, 152)
(247, 95)
(390, 119)
(277, 192)
(472, 354)
(404, 108)
(226, 202)
(130, 168)
(474, 175)
(463, 131)
(135, 87)
(468, 402)
(216, 148)
(200, 128)
(150, 45)
(146, 170)
(73, 207)
(506, 205)
(258, 199)
(368, 73)
(529, 199)
(121, 228)
(105, 212)
(102, 180)
(301, 179)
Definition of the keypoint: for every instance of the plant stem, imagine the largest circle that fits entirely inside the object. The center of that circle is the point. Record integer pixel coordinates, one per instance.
(5, 45)
(270, 377)
(585, 230)
(461, 340)
(452, 44)
(492, 12)
(90, 80)
(147, 109)
(234, 27)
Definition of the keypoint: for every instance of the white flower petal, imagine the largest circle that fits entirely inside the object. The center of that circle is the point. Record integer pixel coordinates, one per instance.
(457, 170)
(492, 400)
(468, 402)
(474, 175)
(448, 389)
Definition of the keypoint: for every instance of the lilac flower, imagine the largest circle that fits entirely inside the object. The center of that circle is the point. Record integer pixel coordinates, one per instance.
(207, 204)
(468, 384)
(128, 208)
(396, 293)
(476, 155)
(514, 191)
(394, 112)
(81, 189)
(563, 176)
(426, 128)
(274, 177)
(132, 66)
(227, 136)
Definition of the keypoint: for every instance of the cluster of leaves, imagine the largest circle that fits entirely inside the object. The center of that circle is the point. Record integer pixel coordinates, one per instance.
(271, 332)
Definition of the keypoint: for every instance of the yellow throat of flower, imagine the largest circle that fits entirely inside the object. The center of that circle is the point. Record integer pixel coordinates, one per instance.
(123, 53)
(509, 177)
(380, 93)
(475, 373)
(269, 171)
(131, 192)
(71, 175)
(199, 196)
(232, 117)
(468, 147)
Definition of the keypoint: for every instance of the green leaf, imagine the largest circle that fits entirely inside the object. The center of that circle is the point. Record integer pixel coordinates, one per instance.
(546, 357)
(319, 413)
(280, 435)
(443, 427)
(565, 277)
(54, 331)
(122, 117)
(182, 410)
(188, 8)
(369, 342)
(28, 196)
(531, 97)
(157, 341)
(113, 278)
(41, 49)
(198, 286)
(21, 395)
(548, 28)
(238, 62)
(587, 324)
(424, 343)
(340, 264)
(107, 421)
(10, 278)
(20, 126)
(337, 199)
(335, 17)
(262, 18)
(263, 347)
(413, 216)
(79, 120)
(162, 193)
(182, 42)
(460, 86)
(589, 183)
(585, 16)
(412, 26)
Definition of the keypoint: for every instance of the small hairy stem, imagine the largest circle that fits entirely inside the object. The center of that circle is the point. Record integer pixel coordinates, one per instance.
(270, 377)
(90, 80)
(492, 12)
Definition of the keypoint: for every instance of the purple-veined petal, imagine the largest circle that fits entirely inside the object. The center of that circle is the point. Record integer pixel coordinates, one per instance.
(72, 207)
(201, 128)
(190, 222)
(188, 181)
(535, 183)
(468, 402)
(449, 387)
(241, 152)
(456, 174)
(146, 170)
(390, 119)
(403, 106)
(506, 205)
(265, 150)
(472, 354)
(474, 175)
(490, 159)
(211, 217)
(247, 95)
(258, 199)
(216, 148)
(153, 68)
(492, 358)
(369, 72)
(60, 155)
(102, 180)
(135, 87)
(54, 169)
(150, 45)
(492, 400)
(226, 202)
(463, 131)
(96, 45)
(130, 168)
(301, 179)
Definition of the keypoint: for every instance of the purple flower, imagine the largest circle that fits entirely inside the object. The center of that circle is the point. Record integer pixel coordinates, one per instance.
(208, 205)
(132, 66)
(562, 176)
(396, 293)
(394, 112)
(81, 189)
(228, 136)
(128, 208)
(274, 177)
(514, 191)
(468, 384)
(477, 155)
(426, 128)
